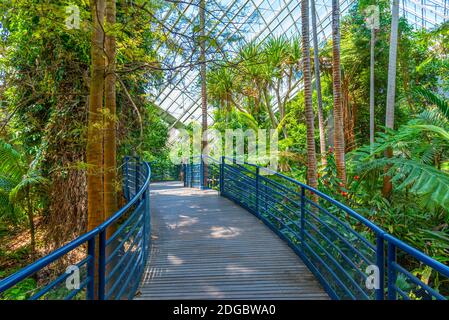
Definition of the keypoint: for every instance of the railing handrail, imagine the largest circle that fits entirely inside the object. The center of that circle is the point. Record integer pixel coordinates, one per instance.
(376, 229)
(41, 263)
(431, 262)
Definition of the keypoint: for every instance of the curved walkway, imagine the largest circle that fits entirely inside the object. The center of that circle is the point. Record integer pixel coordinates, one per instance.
(206, 247)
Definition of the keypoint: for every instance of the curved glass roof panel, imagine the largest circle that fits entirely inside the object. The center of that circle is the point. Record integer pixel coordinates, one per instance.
(232, 23)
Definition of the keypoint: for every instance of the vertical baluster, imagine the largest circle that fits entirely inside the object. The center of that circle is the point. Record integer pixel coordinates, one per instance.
(380, 251)
(392, 275)
(90, 295)
(303, 213)
(222, 164)
(202, 186)
(102, 266)
(147, 224)
(137, 174)
(257, 190)
(191, 173)
(126, 175)
(184, 174)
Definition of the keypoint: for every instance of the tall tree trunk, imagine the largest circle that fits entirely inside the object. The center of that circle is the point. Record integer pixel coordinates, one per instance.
(348, 114)
(318, 86)
(110, 148)
(94, 150)
(311, 153)
(339, 139)
(202, 14)
(371, 91)
(391, 88)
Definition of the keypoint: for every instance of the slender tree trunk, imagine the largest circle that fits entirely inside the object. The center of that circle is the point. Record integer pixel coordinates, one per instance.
(202, 14)
(32, 227)
(110, 148)
(371, 92)
(391, 88)
(318, 86)
(339, 139)
(94, 150)
(273, 119)
(311, 153)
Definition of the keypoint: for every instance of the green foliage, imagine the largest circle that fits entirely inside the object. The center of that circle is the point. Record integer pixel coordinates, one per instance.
(21, 182)
(21, 291)
(419, 148)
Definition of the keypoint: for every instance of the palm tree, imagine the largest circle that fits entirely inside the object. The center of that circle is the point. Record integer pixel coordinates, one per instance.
(253, 67)
(311, 153)
(373, 25)
(21, 186)
(222, 86)
(339, 137)
(276, 56)
(318, 85)
(391, 88)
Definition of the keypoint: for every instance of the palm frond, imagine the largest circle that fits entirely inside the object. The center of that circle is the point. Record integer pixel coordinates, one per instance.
(414, 177)
(248, 119)
(435, 129)
(441, 103)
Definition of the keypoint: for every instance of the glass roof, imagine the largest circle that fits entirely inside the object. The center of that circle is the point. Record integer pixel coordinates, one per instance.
(232, 23)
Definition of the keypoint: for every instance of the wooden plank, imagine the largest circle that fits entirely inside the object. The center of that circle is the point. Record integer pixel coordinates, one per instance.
(206, 247)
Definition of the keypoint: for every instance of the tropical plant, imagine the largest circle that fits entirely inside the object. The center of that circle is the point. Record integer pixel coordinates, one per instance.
(418, 151)
(22, 186)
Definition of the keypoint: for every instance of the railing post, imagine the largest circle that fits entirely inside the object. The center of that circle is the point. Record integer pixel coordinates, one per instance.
(201, 173)
(147, 223)
(222, 164)
(392, 275)
(303, 213)
(184, 174)
(380, 251)
(257, 189)
(102, 266)
(191, 173)
(90, 294)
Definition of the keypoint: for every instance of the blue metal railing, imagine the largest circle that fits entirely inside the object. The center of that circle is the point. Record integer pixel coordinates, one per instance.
(112, 256)
(350, 256)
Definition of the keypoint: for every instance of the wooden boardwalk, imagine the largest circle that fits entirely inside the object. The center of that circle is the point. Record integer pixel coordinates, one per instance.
(207, 247)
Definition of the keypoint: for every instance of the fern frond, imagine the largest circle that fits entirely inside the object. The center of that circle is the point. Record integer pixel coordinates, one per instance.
(34, 183)
(10, 160)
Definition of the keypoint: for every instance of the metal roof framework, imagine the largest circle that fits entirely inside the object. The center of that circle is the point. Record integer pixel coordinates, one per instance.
(236, 22)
